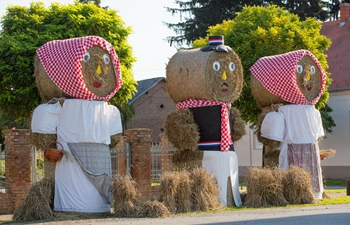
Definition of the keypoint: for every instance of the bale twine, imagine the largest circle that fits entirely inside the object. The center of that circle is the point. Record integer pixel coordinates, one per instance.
(38, 204)
(261, 95)
(264, 188)
(46, 87)
(190, 74)
(297, 186)
(204, 195)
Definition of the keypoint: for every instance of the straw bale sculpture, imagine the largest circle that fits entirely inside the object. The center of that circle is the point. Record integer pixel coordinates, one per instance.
(203, 83)
(286, 87)
(75, 78)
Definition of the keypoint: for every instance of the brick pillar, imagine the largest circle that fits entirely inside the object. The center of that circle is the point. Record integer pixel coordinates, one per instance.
(140, 141)
(18, 164)
(166, 155)
(121, 157)
(344, 11)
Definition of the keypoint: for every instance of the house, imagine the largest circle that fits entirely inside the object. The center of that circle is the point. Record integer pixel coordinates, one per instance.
(152, 104)
(339, 67)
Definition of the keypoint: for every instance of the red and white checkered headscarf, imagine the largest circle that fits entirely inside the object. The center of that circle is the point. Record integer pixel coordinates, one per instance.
(277, 74)
(62, 59)
(226, 140)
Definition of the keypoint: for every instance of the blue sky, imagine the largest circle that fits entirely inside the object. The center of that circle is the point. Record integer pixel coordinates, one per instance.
(146, 20)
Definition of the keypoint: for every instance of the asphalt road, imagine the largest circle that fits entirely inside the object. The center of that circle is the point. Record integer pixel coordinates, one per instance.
(315, 215)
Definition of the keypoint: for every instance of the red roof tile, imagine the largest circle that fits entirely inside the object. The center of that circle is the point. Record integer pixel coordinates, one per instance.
(338, 54)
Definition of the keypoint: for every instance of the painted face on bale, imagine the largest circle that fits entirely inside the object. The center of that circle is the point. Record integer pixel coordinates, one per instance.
(309, 78)
(98, 71)
(224, 76)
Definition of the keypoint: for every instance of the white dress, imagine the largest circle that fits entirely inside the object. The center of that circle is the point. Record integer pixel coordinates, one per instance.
(223, 165)
(302, 126)
(78, 121)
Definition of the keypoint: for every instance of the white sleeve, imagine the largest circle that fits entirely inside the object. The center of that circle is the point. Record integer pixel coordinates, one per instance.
(272, 126)
(115, 121)
(45, 118)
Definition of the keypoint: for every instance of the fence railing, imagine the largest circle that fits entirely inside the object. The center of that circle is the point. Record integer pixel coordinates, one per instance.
(2, 171)
(159, 154)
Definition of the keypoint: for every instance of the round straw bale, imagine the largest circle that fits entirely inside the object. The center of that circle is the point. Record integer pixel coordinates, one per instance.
(261, 95)
(46, 87)
(297, 186)
(190, 74)
(38, 204)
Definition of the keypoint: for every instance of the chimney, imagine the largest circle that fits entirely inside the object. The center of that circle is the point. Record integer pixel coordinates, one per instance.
(344, 11)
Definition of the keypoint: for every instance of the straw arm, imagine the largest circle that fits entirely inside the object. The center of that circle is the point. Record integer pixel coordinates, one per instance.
(238, 125)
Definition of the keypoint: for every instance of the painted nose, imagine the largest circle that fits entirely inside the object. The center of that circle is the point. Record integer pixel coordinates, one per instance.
(223, 76)
(98, 70)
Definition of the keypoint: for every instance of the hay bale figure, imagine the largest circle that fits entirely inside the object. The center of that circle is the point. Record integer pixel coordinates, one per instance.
(286, 87)
(75, 78)
(203, 83)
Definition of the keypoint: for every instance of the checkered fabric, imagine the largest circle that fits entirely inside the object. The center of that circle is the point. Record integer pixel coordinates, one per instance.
(226, 140)
(62, 59)
(277, 74)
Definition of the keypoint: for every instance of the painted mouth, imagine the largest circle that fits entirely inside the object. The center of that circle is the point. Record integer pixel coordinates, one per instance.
(308, 88)
(97, 84)
(224, 87)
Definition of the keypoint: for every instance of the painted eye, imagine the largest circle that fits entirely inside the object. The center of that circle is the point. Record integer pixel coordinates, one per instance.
(312, 70)
(106, 58)
(86, 57)
(216, 65)
(300, 69)
(232, 66)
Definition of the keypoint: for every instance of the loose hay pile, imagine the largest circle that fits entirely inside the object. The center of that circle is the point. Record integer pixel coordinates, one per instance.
(39, 203)
(264, 188)
(278, 187)
(297, 186)
(127, 203)
(185, 191)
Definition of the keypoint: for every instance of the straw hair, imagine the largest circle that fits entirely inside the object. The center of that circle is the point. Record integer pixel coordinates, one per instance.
(190, 74)
(38, 203)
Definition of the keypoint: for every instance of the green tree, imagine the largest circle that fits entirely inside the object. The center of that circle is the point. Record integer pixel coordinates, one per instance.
(96, 2)
(24, 30)
(262, 31)
(197, 15)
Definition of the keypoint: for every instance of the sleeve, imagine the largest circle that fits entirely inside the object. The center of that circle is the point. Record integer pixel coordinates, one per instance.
(115, 122)
(272, 126)
(320, 130)
(45, 118)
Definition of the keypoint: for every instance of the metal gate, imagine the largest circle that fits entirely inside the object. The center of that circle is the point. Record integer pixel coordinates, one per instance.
(2, 171)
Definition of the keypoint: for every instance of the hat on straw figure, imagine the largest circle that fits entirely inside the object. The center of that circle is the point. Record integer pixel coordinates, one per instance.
(216, 43)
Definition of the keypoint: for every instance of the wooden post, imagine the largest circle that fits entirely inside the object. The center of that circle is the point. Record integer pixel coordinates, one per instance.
(348, 187)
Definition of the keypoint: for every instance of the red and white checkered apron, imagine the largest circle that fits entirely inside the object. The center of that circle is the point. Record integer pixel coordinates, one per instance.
(62, 59)
(277, 74)
(226, 140)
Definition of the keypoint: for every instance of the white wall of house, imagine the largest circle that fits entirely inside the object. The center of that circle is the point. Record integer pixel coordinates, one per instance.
(339, 139)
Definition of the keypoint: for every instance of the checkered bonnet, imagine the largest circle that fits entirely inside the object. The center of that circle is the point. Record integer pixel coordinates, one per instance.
(277, 74)
(62, 59)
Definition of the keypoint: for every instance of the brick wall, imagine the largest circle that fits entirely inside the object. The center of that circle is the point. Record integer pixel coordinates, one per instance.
(18, 169)
(151, 110)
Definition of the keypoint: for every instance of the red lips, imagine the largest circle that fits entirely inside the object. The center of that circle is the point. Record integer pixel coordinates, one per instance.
(97, 84)
(309, 88)
(224, 90)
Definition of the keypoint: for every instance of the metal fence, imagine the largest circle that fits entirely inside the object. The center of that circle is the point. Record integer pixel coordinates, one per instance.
(159, 153)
